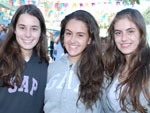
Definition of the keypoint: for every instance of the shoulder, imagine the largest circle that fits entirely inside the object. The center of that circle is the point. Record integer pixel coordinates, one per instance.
(59, 63)
(58, 66)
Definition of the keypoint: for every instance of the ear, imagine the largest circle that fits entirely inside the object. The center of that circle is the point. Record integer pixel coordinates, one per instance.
(89, 41)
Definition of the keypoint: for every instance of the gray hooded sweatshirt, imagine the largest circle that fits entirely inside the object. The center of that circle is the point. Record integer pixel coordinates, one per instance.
(110, 99)
(61, 92)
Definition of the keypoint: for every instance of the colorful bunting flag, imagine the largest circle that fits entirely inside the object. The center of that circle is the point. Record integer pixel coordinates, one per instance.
(10, 2)
(81, 5)
(33, 2)
(66, 5)
(50, 4)
(61, 13)
(62, 4)
(74, 5)
(117, 3)
(23, 1)
(51, 11)
(86, 4)
(93, 4)
(56, 5)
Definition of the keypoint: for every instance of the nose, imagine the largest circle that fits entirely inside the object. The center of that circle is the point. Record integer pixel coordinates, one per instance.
(124, 37)
(28, 33)
(73, 39)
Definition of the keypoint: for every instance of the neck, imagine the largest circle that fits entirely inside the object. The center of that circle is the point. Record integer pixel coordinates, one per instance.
(27, 55)
(73, 59)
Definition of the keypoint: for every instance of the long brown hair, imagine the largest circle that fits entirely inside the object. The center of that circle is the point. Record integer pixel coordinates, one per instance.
(138, 78)
(12, 62)
(90, 69)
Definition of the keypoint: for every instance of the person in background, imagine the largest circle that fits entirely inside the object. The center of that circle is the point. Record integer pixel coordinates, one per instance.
(2, 31)
(24, 62)
(75, 81)
(58, 49)
(51, 34)
(127, 63)
(6, 29)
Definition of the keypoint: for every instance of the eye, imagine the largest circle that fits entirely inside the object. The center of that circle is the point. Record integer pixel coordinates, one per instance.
(21, 27)
(117, 33)
(67, 33)
(130, 32)
(81, 35)
(34, 29)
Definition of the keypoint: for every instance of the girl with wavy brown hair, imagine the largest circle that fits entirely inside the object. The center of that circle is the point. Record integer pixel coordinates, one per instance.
(24, 62)
(127, 63)
(75, 81)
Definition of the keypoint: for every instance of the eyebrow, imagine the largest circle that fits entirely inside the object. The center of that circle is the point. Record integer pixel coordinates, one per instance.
(67, 30)
(77, 32)
(25, 25)
(116, 30)
(126, 29)
(21, 25)
(130, 28)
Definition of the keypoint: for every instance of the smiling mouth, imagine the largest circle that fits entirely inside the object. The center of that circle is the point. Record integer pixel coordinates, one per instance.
(27, 41)
(125, 45)
(73, 47)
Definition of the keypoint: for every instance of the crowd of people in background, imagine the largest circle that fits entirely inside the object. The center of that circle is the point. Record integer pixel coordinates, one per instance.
(3, 31)
(74, 70)
(54, 45)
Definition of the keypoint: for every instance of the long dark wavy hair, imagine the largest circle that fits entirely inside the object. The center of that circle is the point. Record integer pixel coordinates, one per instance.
(12, 62)
(90, 68)
(138, 79)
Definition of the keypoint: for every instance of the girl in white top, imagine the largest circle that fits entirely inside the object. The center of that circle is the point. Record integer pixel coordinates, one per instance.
(127, 63)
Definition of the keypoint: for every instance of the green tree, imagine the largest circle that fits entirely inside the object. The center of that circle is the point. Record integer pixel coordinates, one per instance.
(129, 2)
(146, 15)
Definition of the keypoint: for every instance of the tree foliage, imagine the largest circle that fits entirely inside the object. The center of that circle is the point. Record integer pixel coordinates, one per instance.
(146, 15)
(130, 2)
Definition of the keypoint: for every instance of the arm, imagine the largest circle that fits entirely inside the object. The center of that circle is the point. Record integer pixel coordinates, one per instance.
(57, 38)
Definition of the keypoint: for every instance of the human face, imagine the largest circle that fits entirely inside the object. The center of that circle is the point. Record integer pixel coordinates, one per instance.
(27, 32)
(3, 26)
(76, 39)
(1, 29)
(127, 36)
